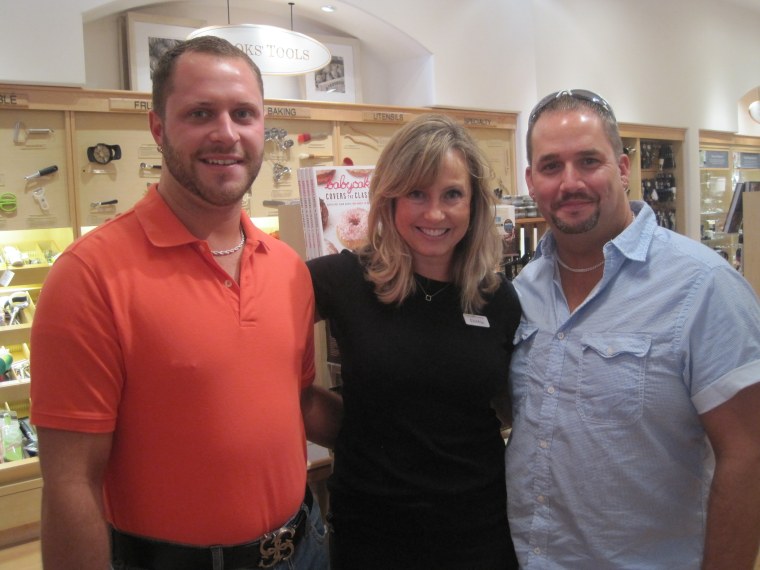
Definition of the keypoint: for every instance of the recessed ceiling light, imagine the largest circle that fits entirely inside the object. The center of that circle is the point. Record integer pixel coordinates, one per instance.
(329, 8)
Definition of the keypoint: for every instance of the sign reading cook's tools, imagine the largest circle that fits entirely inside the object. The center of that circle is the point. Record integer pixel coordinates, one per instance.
(276, 51)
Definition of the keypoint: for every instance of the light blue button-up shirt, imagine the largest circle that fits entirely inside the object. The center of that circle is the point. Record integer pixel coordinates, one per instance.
(608, 465)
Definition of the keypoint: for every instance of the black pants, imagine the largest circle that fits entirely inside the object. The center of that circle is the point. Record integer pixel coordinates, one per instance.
(357, 547)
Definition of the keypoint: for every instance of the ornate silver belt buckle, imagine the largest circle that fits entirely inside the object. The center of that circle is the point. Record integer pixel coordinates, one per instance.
(276, 547)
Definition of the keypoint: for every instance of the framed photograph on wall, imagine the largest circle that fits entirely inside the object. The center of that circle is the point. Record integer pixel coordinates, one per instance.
(147, 37)
(340, 80)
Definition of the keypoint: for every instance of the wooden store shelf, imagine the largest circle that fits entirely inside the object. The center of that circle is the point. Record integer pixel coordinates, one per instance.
(14, 391)
(20, 501)
(751, 250)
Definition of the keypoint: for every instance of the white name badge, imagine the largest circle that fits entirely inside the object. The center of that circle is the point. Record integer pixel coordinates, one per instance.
(476, 320)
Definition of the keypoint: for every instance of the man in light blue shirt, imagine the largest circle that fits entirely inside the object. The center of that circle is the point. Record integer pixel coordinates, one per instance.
(636, 375)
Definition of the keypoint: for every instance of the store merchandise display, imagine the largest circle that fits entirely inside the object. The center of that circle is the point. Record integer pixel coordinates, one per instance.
(658, 189)
(729, 167)
(334, 207)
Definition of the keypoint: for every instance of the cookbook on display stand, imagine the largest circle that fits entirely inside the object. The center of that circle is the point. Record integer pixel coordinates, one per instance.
(334, 207)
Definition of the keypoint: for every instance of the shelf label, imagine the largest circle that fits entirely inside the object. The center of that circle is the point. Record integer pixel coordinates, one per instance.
(384, 117)
(748, 160)
(272, 112)
(13, 100)
(484, 122)
(714, 159)
(136, 105)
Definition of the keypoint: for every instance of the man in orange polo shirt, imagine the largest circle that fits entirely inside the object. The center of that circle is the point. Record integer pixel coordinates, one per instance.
(173, 356)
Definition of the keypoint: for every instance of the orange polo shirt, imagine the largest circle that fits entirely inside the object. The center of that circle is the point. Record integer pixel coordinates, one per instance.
(139, 332)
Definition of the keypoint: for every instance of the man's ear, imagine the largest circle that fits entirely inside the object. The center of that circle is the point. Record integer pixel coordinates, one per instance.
(156, 127)
(529, 181)
(624, 165)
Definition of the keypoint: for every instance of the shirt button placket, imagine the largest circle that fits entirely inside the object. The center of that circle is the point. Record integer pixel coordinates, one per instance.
(540, 531)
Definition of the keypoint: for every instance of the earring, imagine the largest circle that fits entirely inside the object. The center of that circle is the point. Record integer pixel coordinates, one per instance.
(160, 149)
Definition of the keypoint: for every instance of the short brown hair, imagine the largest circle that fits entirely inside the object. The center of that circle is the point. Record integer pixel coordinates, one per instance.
(568, 101)
(164, 72)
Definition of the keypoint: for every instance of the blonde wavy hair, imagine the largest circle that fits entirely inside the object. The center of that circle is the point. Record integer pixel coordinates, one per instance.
(412, 159)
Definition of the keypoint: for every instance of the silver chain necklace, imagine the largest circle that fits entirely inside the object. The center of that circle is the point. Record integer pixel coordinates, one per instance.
(582, 270)
(598, 265)
(428, 296)
(223, 252)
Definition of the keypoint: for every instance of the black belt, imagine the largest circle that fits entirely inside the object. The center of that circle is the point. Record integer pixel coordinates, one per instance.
(272, 548)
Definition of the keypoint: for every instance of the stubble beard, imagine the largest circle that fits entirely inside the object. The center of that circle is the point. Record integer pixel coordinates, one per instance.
(222, 194)
(577, 228)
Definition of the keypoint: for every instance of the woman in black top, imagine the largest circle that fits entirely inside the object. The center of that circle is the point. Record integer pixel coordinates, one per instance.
(424, 326)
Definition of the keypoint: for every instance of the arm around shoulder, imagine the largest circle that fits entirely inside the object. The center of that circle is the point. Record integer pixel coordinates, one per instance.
(322, 412)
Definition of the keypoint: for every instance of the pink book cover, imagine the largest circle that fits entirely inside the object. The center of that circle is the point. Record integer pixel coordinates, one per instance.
(338, 207)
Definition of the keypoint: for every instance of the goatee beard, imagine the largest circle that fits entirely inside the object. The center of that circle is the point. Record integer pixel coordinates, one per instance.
(217, 196)
(581, 228)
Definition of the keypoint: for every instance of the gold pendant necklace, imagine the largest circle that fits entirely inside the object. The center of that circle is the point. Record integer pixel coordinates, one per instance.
(428, 296)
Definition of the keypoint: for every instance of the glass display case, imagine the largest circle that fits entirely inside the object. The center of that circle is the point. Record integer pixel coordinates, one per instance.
(657, 173)
(726, 162)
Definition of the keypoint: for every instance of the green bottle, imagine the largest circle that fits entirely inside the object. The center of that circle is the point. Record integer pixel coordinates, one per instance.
(13, 439)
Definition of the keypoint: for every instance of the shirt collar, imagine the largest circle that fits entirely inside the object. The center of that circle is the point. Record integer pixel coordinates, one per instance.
(634, 241)
(164, 229)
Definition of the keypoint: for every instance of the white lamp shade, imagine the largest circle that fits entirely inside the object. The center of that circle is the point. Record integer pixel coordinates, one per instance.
(754, 111)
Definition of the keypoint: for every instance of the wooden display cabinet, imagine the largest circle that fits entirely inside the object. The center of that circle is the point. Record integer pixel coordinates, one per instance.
(358, 133)
(656, 155)
(752, 239)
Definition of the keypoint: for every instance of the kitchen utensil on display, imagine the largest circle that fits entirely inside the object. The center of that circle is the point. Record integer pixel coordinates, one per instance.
(21, 133)
(103, 153)
(42, 172)
(17, 303)
(39, 197)
(8, 202)
(113, 202)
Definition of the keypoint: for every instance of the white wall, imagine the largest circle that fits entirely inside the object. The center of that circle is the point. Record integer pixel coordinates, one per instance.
(681, 63)
(41, 42)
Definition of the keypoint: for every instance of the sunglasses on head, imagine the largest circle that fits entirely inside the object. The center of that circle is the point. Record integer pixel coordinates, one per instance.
(580, 94)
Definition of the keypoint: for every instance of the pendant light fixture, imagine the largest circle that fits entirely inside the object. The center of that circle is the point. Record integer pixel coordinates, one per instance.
(275, 50)
(754, 106)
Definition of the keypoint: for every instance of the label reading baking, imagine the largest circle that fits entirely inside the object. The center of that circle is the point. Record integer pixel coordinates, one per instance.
(476, 320)
(273, 112)
(13, 100)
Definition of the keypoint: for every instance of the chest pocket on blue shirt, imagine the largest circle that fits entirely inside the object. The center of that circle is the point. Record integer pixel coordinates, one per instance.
(611, 377)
